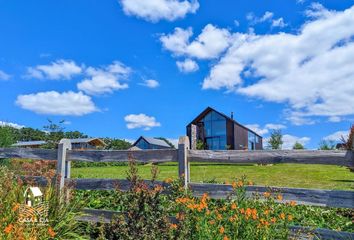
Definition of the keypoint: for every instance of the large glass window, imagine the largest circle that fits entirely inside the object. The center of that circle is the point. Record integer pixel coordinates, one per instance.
(142, 144)
(252, 140)
(214, 131)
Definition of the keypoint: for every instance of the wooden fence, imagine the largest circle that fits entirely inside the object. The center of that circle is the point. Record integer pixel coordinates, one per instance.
(329, 198)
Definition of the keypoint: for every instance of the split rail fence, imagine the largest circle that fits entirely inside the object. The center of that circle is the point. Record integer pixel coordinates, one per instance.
(315, 197)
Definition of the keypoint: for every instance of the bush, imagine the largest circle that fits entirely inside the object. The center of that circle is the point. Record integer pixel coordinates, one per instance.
(57, 222)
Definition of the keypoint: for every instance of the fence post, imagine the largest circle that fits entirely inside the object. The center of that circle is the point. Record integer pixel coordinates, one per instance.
(183, 164)
(63, 166)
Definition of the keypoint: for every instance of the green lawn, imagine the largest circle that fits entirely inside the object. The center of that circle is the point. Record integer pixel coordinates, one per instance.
(285, 175)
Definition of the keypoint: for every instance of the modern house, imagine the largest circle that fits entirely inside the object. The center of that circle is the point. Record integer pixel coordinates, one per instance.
(150, 143)
(76, 144)
(29, 144)
(87, 143)
(214, 130)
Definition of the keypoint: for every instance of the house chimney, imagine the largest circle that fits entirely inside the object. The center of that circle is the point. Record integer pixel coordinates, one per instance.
(232, 115)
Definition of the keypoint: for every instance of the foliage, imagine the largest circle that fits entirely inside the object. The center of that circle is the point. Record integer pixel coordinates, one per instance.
(6, 136)
(327, 145)
(349, 143)
(116, 144)
(298, 146)
(200, 145)
(276, 139)
(60, 223)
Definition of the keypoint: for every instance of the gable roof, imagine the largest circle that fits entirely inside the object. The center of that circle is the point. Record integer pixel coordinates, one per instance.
(28, 143)
(209, 109)
(153, 141)
(87, 140)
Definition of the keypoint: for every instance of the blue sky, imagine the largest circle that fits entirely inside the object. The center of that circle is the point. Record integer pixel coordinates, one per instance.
(129, 68)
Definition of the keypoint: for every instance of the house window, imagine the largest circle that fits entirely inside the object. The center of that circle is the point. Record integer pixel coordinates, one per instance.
(214, 131)
(252, 140)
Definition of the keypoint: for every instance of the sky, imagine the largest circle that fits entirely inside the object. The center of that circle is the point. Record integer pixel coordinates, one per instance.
(126, 68)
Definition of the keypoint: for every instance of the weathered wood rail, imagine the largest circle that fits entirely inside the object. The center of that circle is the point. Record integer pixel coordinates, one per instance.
(329, 198)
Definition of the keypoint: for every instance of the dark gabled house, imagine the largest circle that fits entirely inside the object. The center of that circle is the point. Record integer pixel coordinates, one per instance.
(150, 143)
(216, 131)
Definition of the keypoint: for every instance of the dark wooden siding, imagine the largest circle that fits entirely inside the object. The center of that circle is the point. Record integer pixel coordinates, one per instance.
(240, 136)
(259, 145)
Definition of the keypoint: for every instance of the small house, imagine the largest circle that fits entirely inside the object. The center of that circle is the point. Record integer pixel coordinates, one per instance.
(87, 143)
(150, 143)
(33, 196)
(214, 130)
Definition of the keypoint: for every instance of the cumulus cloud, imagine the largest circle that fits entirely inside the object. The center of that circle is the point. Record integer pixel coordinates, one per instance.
(58, 70)
(141, 121)
(11, 124)
(209, 44)
(267, 17)
(4, 76)
(334, 119)
(265, 130)
(278, 23)
(312, 70)
(187, 66)
(150, 83)
(105, 80)
(290, 140)
(156, 10)
(55, 103)
(336, 136)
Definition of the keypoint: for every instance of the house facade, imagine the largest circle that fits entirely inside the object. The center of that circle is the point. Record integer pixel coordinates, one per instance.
(144, 143)
(214, 130)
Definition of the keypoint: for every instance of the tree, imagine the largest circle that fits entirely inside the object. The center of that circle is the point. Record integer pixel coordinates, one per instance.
(116, 144)
(298, 146)
(276, 140)
(6, 136)
(168, 142)
(55, 133)
(74, 135)
(327, 145)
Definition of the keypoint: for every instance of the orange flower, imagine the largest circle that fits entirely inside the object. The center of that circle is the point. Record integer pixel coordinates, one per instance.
(234, 185)
(266, 212)
(225, 238)
(250, 183)
(218, 216)
(273, 220)
(292, 203)
(168, 180)
(240, 183)
(180, 216)
(242, 211)
(233, 206)
(158, 188)
(280, 197)
(51, 232)
(8, 229)
(282, 216)
(173, 226)
(290, 217)
(212, 222)
(221, 230)
(266, 194)
(15, 207)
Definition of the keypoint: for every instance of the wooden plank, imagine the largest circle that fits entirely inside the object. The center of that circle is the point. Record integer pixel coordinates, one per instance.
(300, 233)
(315, 197)
(30, 153)
(161, 155)
(331, 157)
(106, 184)
(62, 165)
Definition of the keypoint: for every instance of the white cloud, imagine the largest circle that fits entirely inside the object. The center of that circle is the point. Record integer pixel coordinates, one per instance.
(237, 23)
(265, 130)
(141, 121)
(278, 23)
(55, 103)
(312, 71)
(267, 16)
(290, 140)
(334, 119)
(210, 43)
(150, 83)
(336, 136)
(105, 80)
(10, 124)
(187, 66)
(174, 141)
(4, 76)
(156, 10)
(60, 69)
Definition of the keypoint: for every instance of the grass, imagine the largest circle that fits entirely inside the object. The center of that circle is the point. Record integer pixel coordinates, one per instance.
(281, 175)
